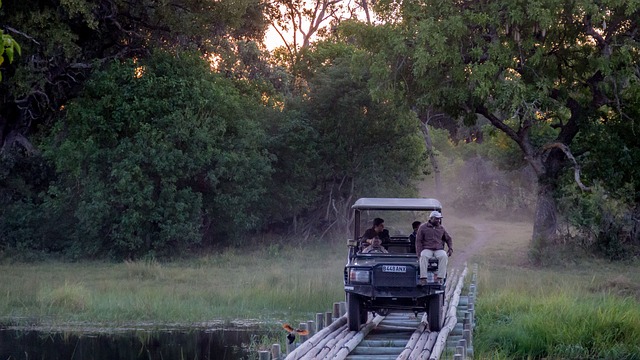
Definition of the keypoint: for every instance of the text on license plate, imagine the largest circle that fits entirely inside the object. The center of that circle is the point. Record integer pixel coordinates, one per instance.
(394, 268)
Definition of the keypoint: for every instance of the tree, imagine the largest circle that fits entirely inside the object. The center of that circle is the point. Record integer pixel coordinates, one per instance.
(522, 66)
(298, 22)
(367, 146)
(152, 157)
(68, 40)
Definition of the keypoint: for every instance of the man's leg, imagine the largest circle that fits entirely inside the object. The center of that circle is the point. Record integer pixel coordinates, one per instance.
(442, 263)
(425, 255)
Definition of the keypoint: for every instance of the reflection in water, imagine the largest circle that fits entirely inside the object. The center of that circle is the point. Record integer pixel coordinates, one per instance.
(133, 345)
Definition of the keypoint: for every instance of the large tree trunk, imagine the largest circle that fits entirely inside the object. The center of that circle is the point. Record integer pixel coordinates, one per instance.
(545, 223)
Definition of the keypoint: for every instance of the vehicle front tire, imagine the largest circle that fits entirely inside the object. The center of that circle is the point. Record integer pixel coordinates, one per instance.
(434, 313)
(364, 315)
(354, 312)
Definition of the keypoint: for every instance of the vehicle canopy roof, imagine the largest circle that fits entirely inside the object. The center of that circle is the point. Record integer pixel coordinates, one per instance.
(397, 204)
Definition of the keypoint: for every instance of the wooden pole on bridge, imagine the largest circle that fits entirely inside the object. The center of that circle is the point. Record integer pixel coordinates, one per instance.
(307, 345)
(451, 319)
(357, 338)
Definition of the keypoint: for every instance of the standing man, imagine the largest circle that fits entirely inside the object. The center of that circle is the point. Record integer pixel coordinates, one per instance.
(430, 241)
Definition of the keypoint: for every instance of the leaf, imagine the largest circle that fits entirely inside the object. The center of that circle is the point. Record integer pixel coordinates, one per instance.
(9, 53)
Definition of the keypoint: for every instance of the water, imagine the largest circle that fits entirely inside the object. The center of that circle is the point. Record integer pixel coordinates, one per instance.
(127, 345)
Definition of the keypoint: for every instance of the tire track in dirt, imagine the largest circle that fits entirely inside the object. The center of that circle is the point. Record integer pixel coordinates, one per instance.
(483, 233)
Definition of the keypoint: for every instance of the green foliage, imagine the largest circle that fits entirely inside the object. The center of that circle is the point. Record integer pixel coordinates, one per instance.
(603, 224)
(333, 141)
(8, 48)
(67, 40)
(610, 153)
(150, 150)
(293, 142)
(373, 143)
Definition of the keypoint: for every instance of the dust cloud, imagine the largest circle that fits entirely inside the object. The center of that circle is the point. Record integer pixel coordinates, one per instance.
(477, 187)
(485, 208)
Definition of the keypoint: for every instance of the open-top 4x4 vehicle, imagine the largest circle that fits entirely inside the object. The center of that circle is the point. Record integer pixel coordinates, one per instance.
(384, 282)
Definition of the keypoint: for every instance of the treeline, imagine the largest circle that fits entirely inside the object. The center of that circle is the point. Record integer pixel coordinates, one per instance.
(132, 129)
(154, 153)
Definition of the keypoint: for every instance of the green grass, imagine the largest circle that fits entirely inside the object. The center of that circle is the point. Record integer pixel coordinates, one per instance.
(281, 284)
(540, 314)
(580, 308)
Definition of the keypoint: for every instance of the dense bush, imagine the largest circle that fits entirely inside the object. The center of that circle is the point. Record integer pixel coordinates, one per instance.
(148, 153)
(601, 223)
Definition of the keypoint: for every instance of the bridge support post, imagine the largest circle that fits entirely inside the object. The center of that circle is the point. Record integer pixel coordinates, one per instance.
(275, 352)
(319, 322)
(342, 308)
(303, 338)
(336, 311)
(311, 326)
(463, 343)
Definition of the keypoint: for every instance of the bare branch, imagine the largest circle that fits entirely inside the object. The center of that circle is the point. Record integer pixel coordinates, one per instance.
(22, 34)
(521, 138)
(365, 8)
(15, 138)
(576, 167)
(602, 43)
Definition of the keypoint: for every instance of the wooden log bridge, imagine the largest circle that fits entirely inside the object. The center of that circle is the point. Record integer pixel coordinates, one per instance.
(401, 336)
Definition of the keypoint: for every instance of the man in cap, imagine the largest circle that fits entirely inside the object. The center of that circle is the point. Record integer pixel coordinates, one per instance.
(430, 241)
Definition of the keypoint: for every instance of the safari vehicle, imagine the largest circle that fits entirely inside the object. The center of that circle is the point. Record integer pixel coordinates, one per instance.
(386, 282)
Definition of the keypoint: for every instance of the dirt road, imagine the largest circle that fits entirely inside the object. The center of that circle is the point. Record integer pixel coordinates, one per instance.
(478, 239)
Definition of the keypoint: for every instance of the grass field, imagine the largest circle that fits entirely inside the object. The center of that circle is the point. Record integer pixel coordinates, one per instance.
(261, 286)
(583, 308)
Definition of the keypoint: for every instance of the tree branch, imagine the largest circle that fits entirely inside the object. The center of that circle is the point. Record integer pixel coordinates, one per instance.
(15, 138)
(21, 33)
(576, 167)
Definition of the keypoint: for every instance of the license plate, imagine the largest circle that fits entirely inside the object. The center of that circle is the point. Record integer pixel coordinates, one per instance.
(394, 268)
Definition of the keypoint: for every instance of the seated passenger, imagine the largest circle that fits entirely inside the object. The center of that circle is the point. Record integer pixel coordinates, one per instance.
(378, 231)
(375, 247)
(412, 237)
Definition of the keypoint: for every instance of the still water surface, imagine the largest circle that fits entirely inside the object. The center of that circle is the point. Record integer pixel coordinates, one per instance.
(128, 345)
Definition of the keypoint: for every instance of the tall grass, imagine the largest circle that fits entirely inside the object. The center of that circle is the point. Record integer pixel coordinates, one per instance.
(273, 285)
(552, 321)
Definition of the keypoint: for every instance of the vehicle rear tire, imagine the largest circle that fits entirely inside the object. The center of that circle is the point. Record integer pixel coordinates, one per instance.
(434, 313)
(354, 312)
